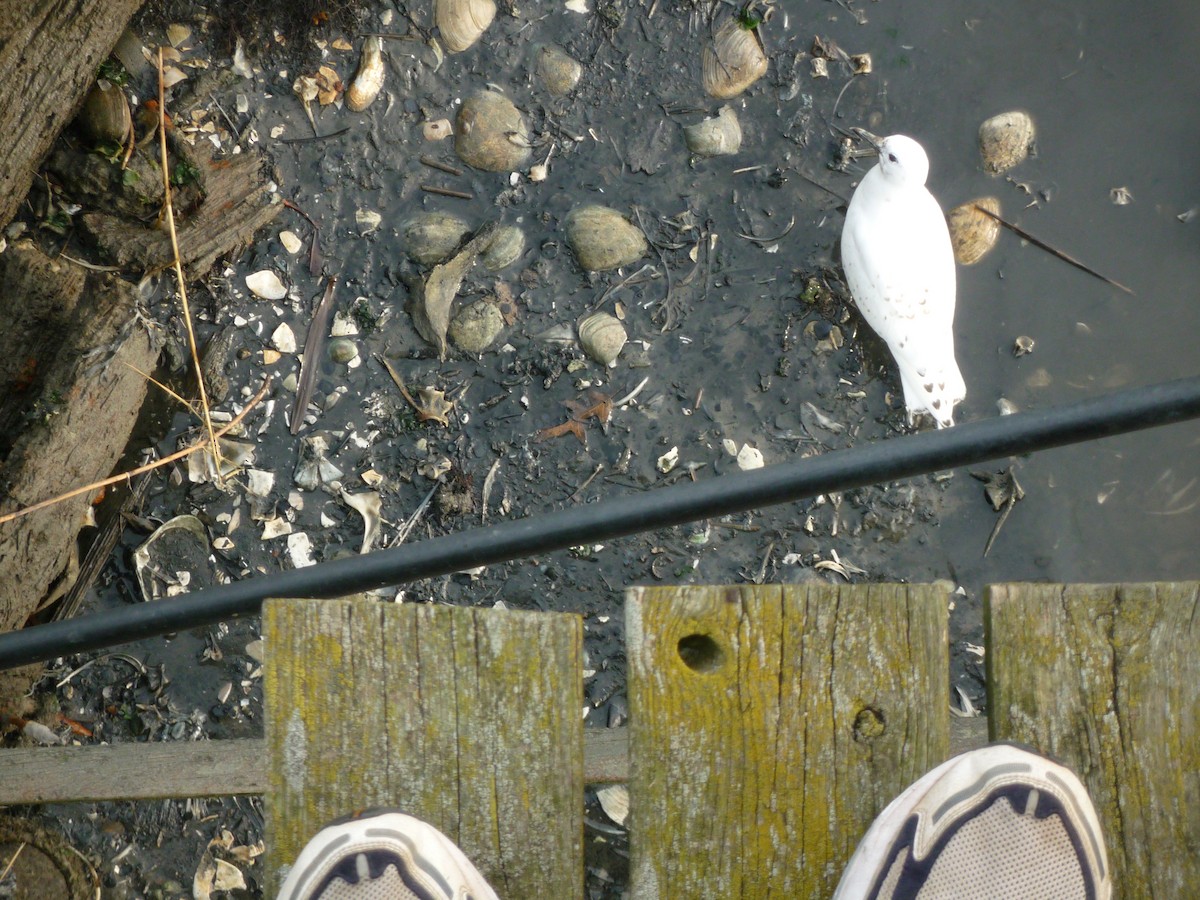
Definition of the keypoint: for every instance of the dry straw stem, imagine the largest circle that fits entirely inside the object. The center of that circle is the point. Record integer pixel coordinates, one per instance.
(125, 476)
(169, 212)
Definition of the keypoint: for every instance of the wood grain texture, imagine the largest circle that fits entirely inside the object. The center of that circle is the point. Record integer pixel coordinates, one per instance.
(1104, 678)
(468, 718)
(49, 53)
(769, 725)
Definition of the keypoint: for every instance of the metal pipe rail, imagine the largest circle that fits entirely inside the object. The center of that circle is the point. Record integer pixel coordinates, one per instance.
(897, 458)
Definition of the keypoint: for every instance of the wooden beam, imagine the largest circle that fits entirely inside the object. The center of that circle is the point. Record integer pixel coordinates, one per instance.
(1104, 678)
(468, 718)
(770, 725)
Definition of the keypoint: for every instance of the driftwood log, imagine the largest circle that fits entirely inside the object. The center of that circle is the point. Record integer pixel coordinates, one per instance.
(71, 336)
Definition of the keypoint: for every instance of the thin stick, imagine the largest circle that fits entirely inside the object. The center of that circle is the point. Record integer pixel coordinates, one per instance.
(313, 345)
(1017, 230)
(439, 165)
(446, 192)
(187, 313)
(149, 467)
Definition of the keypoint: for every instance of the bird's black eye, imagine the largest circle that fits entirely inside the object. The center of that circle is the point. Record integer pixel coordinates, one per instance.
(892, 157)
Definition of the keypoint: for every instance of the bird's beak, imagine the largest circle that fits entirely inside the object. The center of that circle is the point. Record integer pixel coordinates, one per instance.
(874, 140)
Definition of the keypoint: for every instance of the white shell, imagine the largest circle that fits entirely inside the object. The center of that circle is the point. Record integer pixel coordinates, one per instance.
(602, 336)
(1004, 140)
(462, 22)
(719, 136)
(733, 61)
(266, 284)
(368, 80)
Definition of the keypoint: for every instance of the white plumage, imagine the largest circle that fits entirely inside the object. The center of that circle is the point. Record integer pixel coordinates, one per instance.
(900, 267)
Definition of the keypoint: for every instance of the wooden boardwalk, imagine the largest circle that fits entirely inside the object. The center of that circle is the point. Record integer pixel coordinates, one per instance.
(778, 718)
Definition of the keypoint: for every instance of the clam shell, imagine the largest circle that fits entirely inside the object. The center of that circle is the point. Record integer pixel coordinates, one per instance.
(431, 237)
(505, 249)
(266, 285)
(476, 326)
(602, 336)
(1004, 140)
(105, 113)
(603, 239)
(368, 80)
(557, 69)
(342, 350)
(462, 22)
(490, 133)
(733, 61)
(718, 136)
(972, 233)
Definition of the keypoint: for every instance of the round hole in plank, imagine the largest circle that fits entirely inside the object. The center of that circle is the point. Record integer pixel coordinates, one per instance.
(701, 653)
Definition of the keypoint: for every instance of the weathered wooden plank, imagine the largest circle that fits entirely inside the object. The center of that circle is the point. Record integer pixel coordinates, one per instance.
(203, 769)
(132, 771)
(768, 727)
(468, 718)
(1104, 678)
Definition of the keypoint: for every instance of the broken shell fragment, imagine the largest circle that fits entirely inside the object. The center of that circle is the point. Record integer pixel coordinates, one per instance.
(105, 113)
(733, 61)
(1005, 140)
(368, 80)
(175, 559)
(266, 285)
(505, 249)
(313, 469)
(1023, 345)
(431, 237)
(476, 326)
(602, 336)
(749, 458)
(972, 232)
(437, 130)
(718, 136)
(603, 239)
(369, 505)
(490, 133)
(557, 69)
(462, 22)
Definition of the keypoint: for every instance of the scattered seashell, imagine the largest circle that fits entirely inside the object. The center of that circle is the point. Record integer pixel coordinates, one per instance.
(270, 357)
(602, 336)
(175, 559)
(476, 326)
(819, 67)
(300, 550)
(1005, 140)
(558, 70)
(860, 64)
(177, 34)
(668, 460)
(369, 505)
(614, 800)
(266, 285)
(234, 455)
(367, 220)
(313, 469)
(437, 130)
(505, 249)
(105, 113)
(749, 458)
(1023, 345)
(603, 239)
(291, 243)
(1006, 407)
(733, 61)
(368, 80)
(431, 237)
(284, 338)
(1121, 196)
(343, 350)
(462, 22)
(172, 76)
(275, 527)
(490, 133)
(40, 734)
(973, 233)
(259, 483)
(718, 136)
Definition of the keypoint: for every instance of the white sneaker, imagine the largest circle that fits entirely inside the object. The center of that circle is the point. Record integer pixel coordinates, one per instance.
(383, 854)
(999, 822)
